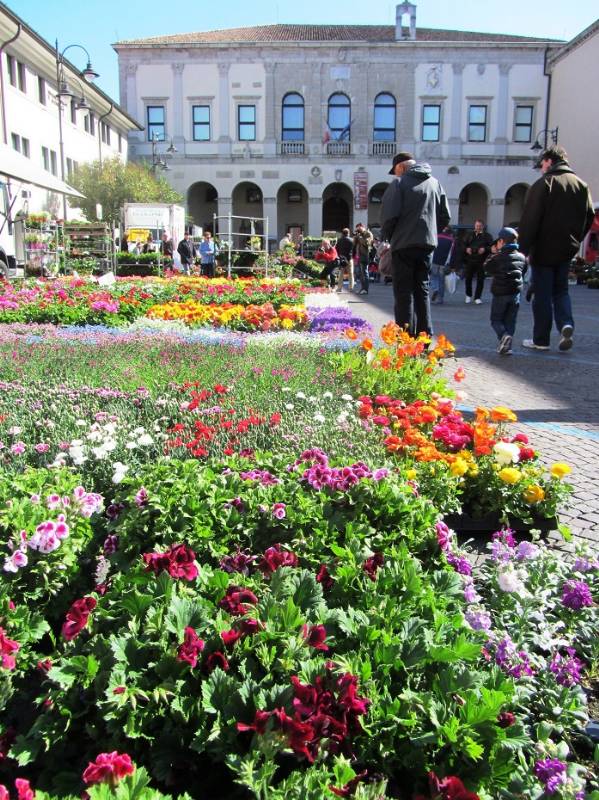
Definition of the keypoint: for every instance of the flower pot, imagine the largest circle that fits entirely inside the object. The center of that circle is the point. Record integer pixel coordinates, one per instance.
(487, 525)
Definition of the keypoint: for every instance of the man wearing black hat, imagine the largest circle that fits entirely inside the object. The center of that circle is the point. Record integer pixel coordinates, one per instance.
(558, 213)
(414, 209)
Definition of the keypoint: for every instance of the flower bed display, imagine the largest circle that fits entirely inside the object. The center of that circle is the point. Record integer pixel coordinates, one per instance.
(226, 574)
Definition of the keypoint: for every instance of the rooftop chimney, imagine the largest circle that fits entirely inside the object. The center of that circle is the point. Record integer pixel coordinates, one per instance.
(400, 11)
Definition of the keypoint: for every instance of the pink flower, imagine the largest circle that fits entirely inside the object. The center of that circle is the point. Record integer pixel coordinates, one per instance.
(141, 498)
(109, 768)
(191, 648)
(42, 447)
(278, 511)
(77, 617)
(24, 790)
(18, 448)
(15, 562)
(4, 792)
(7, 648)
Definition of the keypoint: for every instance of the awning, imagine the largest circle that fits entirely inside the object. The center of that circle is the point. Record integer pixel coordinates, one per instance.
(17, 167)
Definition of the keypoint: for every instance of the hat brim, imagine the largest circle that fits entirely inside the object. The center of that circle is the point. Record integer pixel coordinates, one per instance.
(392, 170)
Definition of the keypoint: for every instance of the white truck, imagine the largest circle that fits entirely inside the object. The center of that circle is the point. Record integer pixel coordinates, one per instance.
(140, 219)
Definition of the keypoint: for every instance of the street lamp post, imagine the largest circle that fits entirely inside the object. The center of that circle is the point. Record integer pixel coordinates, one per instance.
(62, 90)
(158, 161)
(553, 132)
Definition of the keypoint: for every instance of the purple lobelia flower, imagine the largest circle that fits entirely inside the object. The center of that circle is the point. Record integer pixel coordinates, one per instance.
(576, 595)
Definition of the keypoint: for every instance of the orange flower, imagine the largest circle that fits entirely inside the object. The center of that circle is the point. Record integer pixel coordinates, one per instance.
(390, 332)
(503, 414)
(459, 375)
(367, 344)
(351, 334)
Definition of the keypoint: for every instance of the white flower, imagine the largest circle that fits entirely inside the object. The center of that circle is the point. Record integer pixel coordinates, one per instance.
(319, 418)
(347, 397)
(81, 422)
(183, 406)
(300, 395)
(15, 430)
(506, 453)
(145, 440)
(289, 406)
(312, 399)
(511, 580)
(286, 389)
(120, 470)
(328, 395)
(342, 418)
(130, 446)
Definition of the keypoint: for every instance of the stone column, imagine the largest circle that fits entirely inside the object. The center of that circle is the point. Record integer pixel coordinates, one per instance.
(177, 109)
(224, 206)
(270, 108)
(495, 213)
(224, 136)
(454, 148)
(501, 139)
(315, 216)
(131, 94)
(269, 204)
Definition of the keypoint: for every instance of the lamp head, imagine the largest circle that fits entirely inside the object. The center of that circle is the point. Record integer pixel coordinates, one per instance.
(89, 73)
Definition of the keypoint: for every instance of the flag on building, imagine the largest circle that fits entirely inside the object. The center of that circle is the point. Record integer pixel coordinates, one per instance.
(344, 135)
(326, 136)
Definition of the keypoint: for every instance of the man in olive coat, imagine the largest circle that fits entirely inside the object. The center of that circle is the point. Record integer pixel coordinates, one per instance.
(558, 213)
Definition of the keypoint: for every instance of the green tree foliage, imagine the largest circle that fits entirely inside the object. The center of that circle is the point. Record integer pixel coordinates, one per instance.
(113, 183)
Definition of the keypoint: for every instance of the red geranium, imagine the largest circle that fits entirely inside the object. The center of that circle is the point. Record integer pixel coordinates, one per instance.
(450, 788)
(276, 557)
(77, 617)
(315, 636)
(214, 660)
(236, 600)
(24, 790)
(191, 648)
(109, 768)
(7, 649)
(179, 562)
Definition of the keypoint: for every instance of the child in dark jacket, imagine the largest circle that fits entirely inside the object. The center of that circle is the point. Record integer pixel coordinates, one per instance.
(507, 267)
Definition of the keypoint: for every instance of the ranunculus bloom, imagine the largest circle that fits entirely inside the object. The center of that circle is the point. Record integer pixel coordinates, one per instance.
(560, 470)
(109, 768)
(506, 453)
(533, 494)
(509, 475)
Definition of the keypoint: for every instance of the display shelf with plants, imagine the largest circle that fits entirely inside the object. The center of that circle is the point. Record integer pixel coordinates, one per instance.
(43, 244)
(89, 245)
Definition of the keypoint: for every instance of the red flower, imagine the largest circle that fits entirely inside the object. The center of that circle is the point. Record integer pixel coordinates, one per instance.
(371, 565)
(156, 562)
(7, 648)
(315, 636)
(4, 795)
(220, 389)
(236, 599)
(119, 690)
(506, 719)
(275, 419)
(259, 724)
(191, 648)
(24, 790)
(349, 789)
(230, 637)
(323, 577)
(450, 788)
(249, 626)
(45, 666)
(182, 563)
(276, 557)
(527, 454)
(214, 660)
(109, 768)
(77, 617)
(6, 742)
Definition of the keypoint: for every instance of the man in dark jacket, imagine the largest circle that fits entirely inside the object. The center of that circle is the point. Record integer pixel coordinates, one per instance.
(558, 212)
(345, 248)
(186, 250)
(477, 246)
(506, 266)
(414, 209)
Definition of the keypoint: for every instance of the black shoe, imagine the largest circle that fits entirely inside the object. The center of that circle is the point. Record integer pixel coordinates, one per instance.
(505, 346)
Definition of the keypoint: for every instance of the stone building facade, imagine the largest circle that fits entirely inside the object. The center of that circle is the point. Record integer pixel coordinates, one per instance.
(298, 123)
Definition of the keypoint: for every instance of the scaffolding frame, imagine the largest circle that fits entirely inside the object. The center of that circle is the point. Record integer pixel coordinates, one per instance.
(228, 218)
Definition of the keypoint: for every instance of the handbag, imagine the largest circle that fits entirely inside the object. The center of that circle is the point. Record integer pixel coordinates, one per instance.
(451, 283)
(385, 262)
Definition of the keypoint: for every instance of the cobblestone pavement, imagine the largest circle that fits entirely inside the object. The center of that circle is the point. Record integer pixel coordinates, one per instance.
(555, 395)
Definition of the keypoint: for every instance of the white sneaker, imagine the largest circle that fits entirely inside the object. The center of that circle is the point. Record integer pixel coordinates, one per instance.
(505, 345)
(565, 343)
(530, 344)
(468, 299)
(478, 301)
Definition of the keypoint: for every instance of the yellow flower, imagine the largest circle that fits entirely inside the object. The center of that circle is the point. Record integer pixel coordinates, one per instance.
(411, 474)
(560, 470)
(459, 467)
(533, 493)
(503, 414)
(509, 475)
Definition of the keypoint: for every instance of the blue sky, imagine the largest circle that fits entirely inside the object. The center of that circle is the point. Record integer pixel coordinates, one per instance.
(96, 25)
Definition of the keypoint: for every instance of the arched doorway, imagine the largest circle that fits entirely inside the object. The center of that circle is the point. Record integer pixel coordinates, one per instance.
(474, 204)
(337, 206)
(292, 210)
(202, 204)
(375, 195)
(247, 203)
(514, 204)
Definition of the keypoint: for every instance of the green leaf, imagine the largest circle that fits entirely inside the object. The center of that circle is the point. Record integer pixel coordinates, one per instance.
(461, 650)
(216, 691)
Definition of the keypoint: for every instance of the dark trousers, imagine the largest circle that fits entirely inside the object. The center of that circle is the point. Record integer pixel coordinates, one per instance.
(363, 275)
(471, 271)
(411, 270)
(208, 270)
(550, 301)
(504, 312)
(328, 273)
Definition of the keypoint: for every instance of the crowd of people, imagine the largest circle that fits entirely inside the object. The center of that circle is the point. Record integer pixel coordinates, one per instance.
(188, 251)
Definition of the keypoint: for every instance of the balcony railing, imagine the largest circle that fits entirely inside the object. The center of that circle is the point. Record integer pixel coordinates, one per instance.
(338, 148)
(383, 148)
(293, 148)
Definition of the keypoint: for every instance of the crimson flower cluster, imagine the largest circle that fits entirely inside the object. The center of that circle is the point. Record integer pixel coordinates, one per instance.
(109, 768)
(276, 557)
(178, 561)
(325, 714)
(238, 601)
(245, 627)
(77, 617)
(372, 564)
(449, 788)
(191, 648)
(24, 790)
(8, 648)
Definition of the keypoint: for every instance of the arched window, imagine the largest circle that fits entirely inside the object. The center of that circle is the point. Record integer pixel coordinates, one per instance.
(384, 118)
(339, 117)
(293, 118)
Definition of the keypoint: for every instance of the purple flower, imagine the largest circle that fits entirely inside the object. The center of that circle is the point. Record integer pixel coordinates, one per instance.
(567, 668)
(552, 773)
(111, 544)
(526, 550)
(583, 564)
(459, 563)
(479, 620)
(239, 562)
(576, 595)
(443, 535)
(513, 662)
(279, 511)
(141, 498)
(380, 473)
